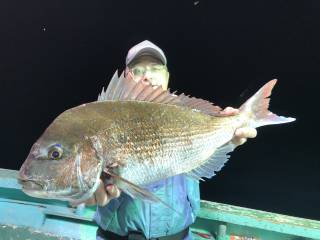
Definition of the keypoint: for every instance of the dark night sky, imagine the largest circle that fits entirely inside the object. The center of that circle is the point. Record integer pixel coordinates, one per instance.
(58, 54)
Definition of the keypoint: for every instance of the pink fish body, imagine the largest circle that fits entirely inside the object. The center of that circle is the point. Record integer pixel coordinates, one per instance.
(138, 134)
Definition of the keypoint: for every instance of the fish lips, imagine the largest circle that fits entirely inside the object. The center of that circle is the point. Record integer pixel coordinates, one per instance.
(28, 184)
(37, 189)
(34, 188)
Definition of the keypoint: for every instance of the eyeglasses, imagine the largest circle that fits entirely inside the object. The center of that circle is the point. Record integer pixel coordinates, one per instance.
(142, 70)
(157, 74)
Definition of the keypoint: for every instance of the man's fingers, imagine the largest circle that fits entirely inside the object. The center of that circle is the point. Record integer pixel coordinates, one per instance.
(241, 135)
(238, 141)
(229, 111)
(113, 191)
(104, 194)
(101, 195)
(246, 132)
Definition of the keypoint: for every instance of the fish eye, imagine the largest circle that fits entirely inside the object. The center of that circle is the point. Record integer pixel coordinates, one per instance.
(55, 152)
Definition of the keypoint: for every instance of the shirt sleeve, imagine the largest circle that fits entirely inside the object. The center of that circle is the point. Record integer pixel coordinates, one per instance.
(154, 219)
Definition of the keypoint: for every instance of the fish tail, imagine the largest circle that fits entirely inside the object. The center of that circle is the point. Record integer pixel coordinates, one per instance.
(256, 108)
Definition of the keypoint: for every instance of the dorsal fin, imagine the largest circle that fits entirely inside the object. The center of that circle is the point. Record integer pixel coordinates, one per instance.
(124, 89)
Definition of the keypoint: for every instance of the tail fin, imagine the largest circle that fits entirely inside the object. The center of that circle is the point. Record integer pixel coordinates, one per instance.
(257, 108)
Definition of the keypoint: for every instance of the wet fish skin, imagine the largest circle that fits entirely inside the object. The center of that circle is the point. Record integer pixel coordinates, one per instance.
(144, 139)
(158, 141)
(61, 179)
(147, 142)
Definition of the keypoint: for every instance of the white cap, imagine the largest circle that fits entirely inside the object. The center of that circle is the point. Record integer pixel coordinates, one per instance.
(145, 48)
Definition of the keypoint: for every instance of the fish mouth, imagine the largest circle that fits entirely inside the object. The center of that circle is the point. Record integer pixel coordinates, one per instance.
(36, 189)
(32, 188)
(30, 184)
(63, 195)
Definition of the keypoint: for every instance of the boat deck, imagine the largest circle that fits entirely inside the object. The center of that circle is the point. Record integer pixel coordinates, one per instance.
(24, 217)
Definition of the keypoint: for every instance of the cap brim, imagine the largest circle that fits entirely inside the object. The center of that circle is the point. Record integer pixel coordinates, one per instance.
(148, 51)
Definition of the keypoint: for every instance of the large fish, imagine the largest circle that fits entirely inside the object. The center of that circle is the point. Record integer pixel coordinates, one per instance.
(138, 134)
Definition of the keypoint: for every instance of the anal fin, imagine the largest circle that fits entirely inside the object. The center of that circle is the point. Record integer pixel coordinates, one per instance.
(194, 176)
(214, 163)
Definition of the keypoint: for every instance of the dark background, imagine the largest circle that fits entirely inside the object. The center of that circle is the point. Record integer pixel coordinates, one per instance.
(58, 54)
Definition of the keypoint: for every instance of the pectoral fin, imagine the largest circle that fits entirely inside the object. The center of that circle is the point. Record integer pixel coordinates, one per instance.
(137, 192)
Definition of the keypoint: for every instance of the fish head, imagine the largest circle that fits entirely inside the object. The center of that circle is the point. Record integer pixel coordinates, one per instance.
(62, 164)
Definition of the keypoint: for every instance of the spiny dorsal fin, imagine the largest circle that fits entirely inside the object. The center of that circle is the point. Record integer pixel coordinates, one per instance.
(124, 89)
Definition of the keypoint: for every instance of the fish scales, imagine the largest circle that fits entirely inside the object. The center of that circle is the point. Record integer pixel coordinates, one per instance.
(153, 141)
(136, 141)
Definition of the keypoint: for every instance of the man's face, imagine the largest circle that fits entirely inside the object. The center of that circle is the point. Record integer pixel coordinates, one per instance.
(150, 68)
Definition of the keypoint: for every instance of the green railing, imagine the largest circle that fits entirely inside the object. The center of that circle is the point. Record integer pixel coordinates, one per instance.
(24, 217)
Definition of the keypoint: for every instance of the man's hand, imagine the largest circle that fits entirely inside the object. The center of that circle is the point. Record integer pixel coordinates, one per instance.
(241, 134)
(103, 195)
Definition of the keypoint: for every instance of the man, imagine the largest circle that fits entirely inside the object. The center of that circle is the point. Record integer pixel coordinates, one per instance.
(121, 217)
